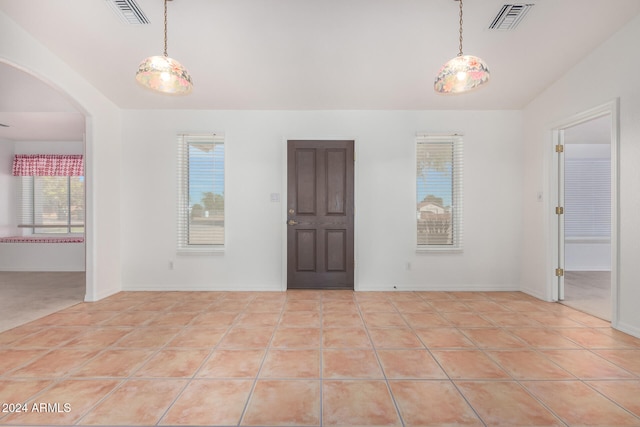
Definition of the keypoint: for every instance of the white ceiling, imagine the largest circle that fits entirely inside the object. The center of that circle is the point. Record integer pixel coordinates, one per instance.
(306, 54)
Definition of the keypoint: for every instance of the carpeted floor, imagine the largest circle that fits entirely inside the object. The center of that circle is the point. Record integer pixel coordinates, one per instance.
(27, 296)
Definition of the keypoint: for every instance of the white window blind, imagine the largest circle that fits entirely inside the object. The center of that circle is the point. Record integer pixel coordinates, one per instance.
(439, 167)
(587, 198)
(201, 213)
(51, 204)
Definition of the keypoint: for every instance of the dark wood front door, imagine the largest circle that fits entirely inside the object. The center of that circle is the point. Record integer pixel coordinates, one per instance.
(320, 214)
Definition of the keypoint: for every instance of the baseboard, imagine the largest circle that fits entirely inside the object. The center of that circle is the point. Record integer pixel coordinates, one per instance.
(437, 288)
(202, 287)
(535, 293)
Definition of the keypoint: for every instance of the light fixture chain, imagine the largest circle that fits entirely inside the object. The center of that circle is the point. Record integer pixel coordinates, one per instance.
(165, 28)
(460, 53)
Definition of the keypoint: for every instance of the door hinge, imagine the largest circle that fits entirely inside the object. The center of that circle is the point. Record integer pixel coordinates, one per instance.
(559, 148)
(559, 210)
(559, 272)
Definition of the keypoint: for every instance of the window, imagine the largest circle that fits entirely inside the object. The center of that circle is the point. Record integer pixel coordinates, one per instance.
(201, 213)
(52, 204)
(439, 192)
(50, 196)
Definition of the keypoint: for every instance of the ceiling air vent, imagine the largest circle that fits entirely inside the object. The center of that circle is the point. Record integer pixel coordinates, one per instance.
(128, 11)
(510, 16)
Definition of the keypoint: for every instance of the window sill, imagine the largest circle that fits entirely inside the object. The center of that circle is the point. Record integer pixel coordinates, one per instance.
(438, 249)
(201, 251)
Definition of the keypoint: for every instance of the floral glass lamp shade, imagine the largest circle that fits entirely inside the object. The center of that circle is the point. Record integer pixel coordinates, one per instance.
(164, 74)
(462, 73)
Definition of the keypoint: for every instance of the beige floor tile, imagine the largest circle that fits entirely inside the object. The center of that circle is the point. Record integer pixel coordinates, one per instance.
(258, 337)
(339, 306)
(416, 364)
(99, 338)
(13, 359)
(287, 364)
(432, 403)
(376, 307)
(350, 363)
(358, 403)
(449, 306)
(116, 363)
(300, 319)
(467, 320)
(586, 365)
(506, 404)
(577, 404)
(593, 339)
(284, 403)
(543, 338)
(210, 403)
(342, 320)
(394, 338)
(49, 337)
(345, 338)
(627, 359)
(136, 402)
(131, 318)
(252, 320)
(624, 393)
(232, 364)
(510, 319)
(55, 364)
(20, 390)
(69, 400)
(384, 320)
(469, 364)
(440, 338)
(296, 338)
(18, 333)
(173, 363)
(412, 306)
(495, 338)
(426, 320)
(148, 338)
(197, 338)
(302, 305)
(214, 319)
(173, 319)
(529, 365)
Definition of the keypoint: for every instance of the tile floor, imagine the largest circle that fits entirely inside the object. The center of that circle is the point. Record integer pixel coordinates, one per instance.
(310, 358)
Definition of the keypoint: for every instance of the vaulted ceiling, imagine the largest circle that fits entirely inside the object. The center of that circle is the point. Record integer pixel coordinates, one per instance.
(308, 54)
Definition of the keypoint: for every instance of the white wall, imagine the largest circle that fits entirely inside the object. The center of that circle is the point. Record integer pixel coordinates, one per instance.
(102, 156)
(601, 77)
(385, 198)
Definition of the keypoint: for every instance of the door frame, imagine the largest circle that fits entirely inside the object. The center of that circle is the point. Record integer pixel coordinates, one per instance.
(283, 205)
(554, 230)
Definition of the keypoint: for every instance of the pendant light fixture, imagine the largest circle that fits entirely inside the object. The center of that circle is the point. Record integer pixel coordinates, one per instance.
(462, 73)
(164, 74)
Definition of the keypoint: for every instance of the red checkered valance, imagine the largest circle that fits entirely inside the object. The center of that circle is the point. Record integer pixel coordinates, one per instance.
(48, 165)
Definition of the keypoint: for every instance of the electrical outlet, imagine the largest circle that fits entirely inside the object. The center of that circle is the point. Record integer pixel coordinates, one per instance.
(408, 266)
(170, 264)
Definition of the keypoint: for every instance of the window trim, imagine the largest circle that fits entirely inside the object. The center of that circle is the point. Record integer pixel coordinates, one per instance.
(183, 247)
(457, 141)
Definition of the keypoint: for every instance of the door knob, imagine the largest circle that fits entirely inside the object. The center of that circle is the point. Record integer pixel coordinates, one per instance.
(292, 222)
